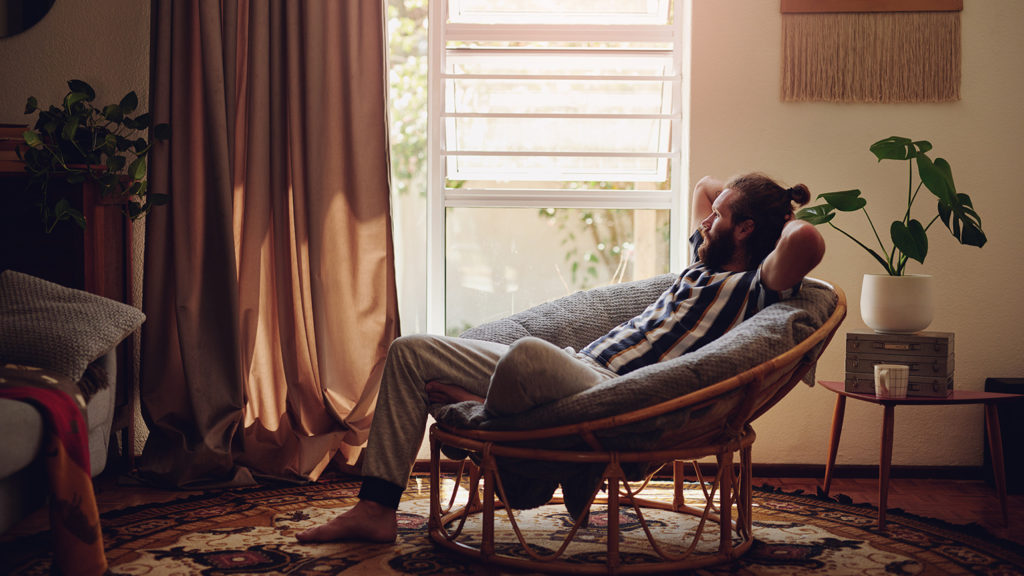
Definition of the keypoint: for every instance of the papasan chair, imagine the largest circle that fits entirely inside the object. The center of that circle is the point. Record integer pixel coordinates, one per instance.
(613, 437)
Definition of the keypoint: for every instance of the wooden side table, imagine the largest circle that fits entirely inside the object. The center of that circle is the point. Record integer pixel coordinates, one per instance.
(989, 399)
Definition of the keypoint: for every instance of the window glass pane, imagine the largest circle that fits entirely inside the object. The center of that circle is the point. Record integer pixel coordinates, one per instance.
(558, 96)
(560, 11)
(556, 134)
(503, 260)
(578, 84)
(594, 62)
(547, 168)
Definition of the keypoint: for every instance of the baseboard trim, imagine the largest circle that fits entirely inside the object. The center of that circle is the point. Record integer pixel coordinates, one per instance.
(801, 471)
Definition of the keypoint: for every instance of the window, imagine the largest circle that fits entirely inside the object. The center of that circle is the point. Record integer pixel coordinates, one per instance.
(554, 146)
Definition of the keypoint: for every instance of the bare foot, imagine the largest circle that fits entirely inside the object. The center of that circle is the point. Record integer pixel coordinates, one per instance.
(441, 393)
(367, 521)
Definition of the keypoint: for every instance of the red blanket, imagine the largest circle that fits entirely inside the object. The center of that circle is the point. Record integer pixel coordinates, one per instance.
(74, 517)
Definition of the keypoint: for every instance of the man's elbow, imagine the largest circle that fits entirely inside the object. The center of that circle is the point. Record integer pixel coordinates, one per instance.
(800, 249)
(808, 243)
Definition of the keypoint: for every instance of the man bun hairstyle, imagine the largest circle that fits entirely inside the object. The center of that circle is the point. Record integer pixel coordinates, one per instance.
(769, 205)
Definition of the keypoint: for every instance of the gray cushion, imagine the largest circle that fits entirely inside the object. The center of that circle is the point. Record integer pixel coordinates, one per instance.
(50, 326)
(767, 334)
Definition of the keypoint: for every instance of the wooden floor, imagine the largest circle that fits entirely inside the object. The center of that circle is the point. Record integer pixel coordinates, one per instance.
(955, 501)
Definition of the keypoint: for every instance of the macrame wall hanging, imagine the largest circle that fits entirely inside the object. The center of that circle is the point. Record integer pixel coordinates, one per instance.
(871, 50)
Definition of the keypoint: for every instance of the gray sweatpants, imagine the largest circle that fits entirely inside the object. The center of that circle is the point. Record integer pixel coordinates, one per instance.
(512, 378)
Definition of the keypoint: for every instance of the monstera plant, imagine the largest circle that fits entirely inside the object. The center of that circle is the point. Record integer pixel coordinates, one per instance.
(78, 141)
(898, 302)
(909, 237)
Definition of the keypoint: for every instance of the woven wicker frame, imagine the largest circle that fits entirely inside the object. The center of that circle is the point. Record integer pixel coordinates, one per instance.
(722, 431)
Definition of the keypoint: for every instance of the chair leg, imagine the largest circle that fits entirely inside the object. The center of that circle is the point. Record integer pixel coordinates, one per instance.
(678, 482)
(725, 474)
(434, 519)
(744, 519)
(489, 469)
(615, 475)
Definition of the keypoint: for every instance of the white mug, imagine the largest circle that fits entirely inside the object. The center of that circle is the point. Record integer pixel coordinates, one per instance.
(891, 380)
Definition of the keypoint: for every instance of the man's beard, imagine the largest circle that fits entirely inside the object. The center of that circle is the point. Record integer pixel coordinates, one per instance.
(716, 251)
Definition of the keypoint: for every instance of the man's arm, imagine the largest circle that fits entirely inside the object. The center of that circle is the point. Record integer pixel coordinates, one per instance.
(800, 248)
(704, 194)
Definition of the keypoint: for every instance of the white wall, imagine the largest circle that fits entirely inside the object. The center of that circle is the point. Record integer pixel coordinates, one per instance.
(740, 124)
(104, 42)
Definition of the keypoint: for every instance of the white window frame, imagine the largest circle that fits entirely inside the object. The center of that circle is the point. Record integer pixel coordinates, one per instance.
(439, 197)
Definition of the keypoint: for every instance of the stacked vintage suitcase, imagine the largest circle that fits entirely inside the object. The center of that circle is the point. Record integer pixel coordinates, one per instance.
(928, 354)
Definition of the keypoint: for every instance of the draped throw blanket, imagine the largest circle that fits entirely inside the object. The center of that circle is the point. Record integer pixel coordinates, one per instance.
(74, 517)
(269, 278)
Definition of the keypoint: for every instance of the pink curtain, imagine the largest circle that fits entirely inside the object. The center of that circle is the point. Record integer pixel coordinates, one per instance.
(269, 280)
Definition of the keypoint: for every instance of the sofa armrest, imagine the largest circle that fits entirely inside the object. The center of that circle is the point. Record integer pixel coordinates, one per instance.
(21, 426)
(100, 411)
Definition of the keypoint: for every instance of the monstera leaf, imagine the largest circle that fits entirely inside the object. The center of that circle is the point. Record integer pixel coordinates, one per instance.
(908, 235)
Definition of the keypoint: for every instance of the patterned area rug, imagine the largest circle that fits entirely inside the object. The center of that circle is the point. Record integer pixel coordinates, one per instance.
(251, 531)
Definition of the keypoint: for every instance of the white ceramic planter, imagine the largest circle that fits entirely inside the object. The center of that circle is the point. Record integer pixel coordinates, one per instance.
(896, 304)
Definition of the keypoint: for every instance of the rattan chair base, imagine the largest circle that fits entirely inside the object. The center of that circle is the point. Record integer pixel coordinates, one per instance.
(730, 509)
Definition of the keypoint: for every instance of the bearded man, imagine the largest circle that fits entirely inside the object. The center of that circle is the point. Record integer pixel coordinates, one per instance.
(748, 252)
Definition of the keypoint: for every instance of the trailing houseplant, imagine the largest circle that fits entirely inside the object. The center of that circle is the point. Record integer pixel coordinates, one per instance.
(79, 141)
(908, 235)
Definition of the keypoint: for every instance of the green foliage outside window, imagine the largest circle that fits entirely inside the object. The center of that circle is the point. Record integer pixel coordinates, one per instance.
(596, 242)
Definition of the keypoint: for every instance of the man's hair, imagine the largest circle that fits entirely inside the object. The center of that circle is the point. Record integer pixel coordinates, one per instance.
(769, 205)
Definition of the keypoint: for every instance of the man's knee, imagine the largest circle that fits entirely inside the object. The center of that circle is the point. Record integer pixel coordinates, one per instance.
(409, 346)
(528, 350)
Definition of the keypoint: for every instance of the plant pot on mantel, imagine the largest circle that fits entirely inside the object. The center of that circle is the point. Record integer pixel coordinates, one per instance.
(896, 304)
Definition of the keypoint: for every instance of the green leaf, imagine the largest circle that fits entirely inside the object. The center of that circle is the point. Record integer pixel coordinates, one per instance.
(116, 163)
(893, 148)
(163, 132)
(31, 105)
(137, 171)
(134, 210)
(816, 215)
(113, 113)
(64, 211)
(967, 227)
(68, 133)
(910, 239)
(142, 120)
(845, 201)
(32, 139)
(74, 98)
(137, 189)
(83, 87)
(129, 103)
(937, 178)
(956, 210)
